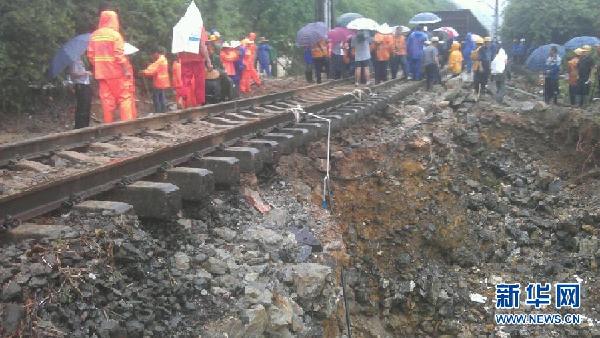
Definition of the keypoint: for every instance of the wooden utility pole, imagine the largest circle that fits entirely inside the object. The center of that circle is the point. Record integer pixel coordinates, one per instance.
(324, 12)
(496, 18)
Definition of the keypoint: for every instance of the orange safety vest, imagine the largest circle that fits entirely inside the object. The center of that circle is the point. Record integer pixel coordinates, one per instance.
(400, 45)
(476, 62)
(105, 48)
(159, 70)
(177, 82)
(319, 50)
(573, 72)
(382, 45)
(229, 56)
(249, 57)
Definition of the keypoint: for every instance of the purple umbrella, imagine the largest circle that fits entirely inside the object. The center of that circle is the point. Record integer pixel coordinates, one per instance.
(339, 34)
(310, 34)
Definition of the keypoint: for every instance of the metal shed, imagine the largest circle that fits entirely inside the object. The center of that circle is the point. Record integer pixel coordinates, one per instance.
(463, 20)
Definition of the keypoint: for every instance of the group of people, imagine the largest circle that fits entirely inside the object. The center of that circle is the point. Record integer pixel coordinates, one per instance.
(111, 68)
(579, 67)
(414, 52)
(386, 54)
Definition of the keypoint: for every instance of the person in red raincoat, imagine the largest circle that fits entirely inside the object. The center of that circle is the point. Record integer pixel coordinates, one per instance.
(111, 68)
(193, 73)
(249, 73)
(180, 96)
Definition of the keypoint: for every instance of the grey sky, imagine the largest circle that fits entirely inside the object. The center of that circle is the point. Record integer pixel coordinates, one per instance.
(483, 10)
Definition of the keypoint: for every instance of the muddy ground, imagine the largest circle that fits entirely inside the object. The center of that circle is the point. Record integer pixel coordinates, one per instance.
(434, 202)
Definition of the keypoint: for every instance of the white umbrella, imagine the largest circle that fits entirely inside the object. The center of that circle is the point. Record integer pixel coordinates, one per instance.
(187, 32)
(130, 49)
(403, 29)
(385, 29)
(363, 24)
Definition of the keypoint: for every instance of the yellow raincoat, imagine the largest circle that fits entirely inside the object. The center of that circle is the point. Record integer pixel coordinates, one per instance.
(455, 60)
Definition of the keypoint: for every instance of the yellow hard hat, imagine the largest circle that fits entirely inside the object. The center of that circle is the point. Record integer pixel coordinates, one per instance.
(212, 38)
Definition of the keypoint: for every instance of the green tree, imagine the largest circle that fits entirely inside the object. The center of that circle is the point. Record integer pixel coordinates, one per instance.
(550, 21)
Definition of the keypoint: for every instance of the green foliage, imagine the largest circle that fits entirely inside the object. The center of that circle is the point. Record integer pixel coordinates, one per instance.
(555, 21)
(32, 30)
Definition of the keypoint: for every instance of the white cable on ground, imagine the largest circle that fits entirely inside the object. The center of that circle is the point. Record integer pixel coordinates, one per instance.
(297, 111)
(357, 93)
(326, 178)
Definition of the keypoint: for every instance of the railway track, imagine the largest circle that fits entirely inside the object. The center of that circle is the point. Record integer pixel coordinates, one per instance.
(218, 141)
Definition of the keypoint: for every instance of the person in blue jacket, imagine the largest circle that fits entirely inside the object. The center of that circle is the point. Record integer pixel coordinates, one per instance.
(414, 45)
(520, 51)
(468, 47)
(264, 56)
(551, 74)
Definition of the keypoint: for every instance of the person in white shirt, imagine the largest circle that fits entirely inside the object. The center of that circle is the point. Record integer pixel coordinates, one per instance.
(498, 69)
(80, 77)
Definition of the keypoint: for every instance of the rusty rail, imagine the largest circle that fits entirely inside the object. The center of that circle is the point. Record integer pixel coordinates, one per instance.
(47, 197)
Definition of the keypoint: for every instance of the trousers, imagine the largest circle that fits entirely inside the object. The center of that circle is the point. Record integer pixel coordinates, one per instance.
(415, 65)
(381, 71)
(193, 76)
(114, 93)
(83, 96)
(159, 99)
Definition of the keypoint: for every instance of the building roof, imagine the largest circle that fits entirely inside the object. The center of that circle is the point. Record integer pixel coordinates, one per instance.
(463, 20)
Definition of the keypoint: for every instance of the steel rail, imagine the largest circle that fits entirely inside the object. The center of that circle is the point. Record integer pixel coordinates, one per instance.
(46, 197)
(43, 145)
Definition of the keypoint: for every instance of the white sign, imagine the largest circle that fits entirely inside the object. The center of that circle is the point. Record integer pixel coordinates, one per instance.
(186, 33)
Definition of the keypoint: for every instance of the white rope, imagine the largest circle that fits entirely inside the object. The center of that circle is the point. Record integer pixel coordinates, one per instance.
(357, 93)
(298, 111)
(326, 178)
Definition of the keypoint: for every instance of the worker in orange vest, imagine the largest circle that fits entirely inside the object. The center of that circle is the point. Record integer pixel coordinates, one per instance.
(320, 53)
(230, 57)
(178, 84)
(399, 56)
(254, 72)
(193, 73)
(249, 73)
(110, 66)
(130, 87)
(382, 48)
(159, 70)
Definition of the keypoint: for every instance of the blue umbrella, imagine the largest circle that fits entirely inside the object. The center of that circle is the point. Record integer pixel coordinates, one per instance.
(310, 34)
(537, 60)
(424, 18)
(344, 19)
(581, 41)
(68, 53)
